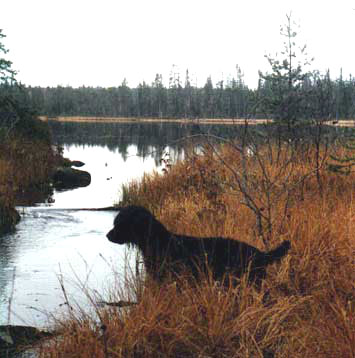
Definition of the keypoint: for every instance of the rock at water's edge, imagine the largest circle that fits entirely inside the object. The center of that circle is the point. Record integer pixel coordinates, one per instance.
(77, 163)
(69, 178)
(14, 337)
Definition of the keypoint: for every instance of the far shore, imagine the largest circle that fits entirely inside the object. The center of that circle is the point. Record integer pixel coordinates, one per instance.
(340, 123)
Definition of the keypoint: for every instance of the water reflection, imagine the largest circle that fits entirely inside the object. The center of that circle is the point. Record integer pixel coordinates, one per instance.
(149, 138)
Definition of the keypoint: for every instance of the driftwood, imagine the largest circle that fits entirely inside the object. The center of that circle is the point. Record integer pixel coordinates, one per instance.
(117, 304)
(107, 208)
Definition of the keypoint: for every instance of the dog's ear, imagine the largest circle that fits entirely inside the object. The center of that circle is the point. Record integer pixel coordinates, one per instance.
(120, 231)
(121, 217)
(117, 220)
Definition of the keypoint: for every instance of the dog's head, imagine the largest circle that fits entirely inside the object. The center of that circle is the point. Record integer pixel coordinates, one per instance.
(120, 231)
(133, 225)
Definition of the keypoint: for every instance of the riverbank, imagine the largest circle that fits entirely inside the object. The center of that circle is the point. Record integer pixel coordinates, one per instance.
(340, 123)
(305, 307)
(160, 120)
(25, 168)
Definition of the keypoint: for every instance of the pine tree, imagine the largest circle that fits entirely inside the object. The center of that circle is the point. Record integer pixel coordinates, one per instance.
(16, 110)
(281, 92)
(7, 74)
(7, 98)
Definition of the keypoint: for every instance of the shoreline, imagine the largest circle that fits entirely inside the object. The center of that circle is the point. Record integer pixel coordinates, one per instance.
(230, 121)
(152, 119)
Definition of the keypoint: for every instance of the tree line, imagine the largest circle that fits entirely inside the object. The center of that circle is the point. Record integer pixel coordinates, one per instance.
(317, 96)
(177, 100)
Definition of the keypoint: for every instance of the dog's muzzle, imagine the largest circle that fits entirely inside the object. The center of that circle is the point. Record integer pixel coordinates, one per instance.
(110, 235)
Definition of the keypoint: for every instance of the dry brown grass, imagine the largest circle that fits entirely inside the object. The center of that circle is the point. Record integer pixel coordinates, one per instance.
(23, 164)
(310, 306)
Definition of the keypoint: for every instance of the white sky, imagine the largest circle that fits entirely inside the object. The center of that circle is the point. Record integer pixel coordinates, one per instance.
(100, 42)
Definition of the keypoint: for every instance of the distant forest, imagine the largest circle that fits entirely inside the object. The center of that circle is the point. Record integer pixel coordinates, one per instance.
(319, 97)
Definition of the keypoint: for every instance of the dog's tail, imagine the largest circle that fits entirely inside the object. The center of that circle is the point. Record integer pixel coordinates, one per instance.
(277, 254)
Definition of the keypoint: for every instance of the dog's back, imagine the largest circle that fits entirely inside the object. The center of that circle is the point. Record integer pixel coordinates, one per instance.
(226, 256)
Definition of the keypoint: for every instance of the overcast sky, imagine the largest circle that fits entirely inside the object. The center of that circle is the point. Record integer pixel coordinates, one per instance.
(101, 42)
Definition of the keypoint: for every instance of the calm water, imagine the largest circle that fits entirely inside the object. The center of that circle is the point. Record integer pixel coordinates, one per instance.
(59, 241)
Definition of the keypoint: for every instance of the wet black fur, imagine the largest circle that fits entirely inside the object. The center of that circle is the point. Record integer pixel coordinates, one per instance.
(165, 253)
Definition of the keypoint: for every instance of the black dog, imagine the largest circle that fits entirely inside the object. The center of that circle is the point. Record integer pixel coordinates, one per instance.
(165, 253)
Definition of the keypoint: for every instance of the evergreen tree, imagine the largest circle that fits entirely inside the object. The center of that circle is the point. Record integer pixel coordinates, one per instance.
(208, 98)
(7, 74)
(125, 99)
(7, 79)
(16, 110)
(188, 96)
(281, 92)
(175, 100)
(159, 97)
